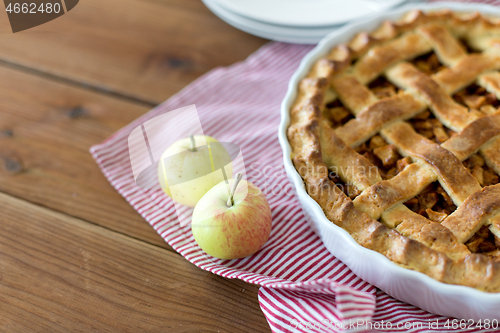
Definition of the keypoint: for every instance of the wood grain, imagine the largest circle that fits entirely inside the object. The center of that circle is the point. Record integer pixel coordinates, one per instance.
(74, 256)
(46, 130)
(147, 49)
(64, 275)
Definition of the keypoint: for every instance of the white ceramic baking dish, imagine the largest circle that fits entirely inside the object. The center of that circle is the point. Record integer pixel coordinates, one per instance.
(404, 284)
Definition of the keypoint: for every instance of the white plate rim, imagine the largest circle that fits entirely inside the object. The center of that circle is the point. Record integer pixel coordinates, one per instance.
(268, 31)
(262, 15)
(339, 36)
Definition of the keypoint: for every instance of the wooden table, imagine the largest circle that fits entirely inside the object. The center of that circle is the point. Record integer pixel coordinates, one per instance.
(74, 256)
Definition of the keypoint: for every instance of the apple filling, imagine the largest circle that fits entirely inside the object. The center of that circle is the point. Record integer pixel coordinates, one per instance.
(484, 174)
(433, 202)
(349, 189)
(337, 114)
(428, 63)
(484, 242)
(477, 99)
(382, 88)
(429, 127)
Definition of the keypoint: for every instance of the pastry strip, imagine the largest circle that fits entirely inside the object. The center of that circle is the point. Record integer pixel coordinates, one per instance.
(447, 48)
(491, 82)
(355, 96)
(380, 114)
(474, 213)
(351, 167)
(371, 65)
(466, 71)
(449, 112)
(490, 151)
(452, 175)
(432, 234)
(472, 137)
(385, 194)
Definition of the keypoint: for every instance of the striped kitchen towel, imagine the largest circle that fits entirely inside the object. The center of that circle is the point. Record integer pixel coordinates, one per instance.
(303, 287)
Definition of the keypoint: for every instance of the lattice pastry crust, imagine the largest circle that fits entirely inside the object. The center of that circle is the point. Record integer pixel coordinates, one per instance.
(378, 215)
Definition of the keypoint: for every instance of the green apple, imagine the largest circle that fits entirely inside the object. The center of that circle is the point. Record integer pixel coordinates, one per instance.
(232, 224)
(186, 169)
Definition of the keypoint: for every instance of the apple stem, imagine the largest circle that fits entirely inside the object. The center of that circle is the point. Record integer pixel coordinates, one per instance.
(193, 143)
(230, 200)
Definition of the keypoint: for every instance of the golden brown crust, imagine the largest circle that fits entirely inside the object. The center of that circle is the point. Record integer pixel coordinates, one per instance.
(352, 93)
(466, 71)
(345, 162)
(490, 151)
(378, 115)
(406, 238)
(379, 58)
(491, 81)
(431, 234)
(447, 48)
(452, 175)
(474, 213)
(450, 113)
(385, 194)
(473, 136)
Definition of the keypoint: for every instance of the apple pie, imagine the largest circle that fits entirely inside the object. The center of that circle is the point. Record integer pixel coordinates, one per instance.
(396, 135)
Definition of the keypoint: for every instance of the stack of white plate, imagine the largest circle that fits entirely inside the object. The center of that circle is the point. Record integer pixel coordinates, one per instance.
(295, 21)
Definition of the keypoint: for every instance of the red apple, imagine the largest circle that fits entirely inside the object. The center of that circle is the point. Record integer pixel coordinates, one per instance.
(232, 224)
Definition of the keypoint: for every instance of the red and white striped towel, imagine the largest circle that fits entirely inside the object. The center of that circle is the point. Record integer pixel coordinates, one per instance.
(303, 287)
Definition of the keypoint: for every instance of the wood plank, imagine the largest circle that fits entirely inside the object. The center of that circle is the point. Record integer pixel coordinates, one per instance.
(60, 274)
(147, 49)
(46, 130)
